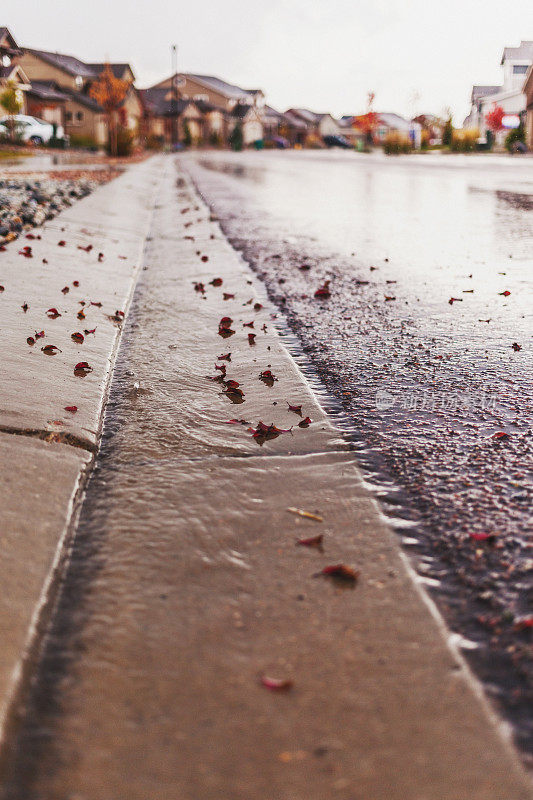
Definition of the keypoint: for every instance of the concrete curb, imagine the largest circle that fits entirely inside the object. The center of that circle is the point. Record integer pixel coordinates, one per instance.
(45, 451)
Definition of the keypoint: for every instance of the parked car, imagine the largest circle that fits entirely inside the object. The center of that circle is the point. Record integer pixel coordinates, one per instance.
(337, 141)
(30, 129)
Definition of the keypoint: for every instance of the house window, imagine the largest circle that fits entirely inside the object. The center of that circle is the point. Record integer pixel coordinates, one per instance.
(520, 69)
(79, 115)
(68, 116)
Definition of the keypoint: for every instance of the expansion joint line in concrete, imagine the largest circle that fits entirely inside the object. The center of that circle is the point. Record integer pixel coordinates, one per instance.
(61, 437)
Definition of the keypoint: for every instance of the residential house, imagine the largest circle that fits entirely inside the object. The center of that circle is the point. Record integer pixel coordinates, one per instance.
(11, 71)
(294, 129)
(348, 128)
(166, 119)
(249, 117)
(65, 81)
(223, 104)
(394, 123)
(510, 96)
(528, 91)
(432, 127)
(318, 125)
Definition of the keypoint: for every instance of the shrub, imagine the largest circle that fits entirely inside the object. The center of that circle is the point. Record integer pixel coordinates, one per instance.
(396, 143)
(187, 138)
(125, 138)
(236, 138)
(516, 135)
(78, 140)
(447, 133)
(155, 142)
(464, 141)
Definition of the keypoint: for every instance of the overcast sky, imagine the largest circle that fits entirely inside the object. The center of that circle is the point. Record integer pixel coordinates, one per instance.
(324, 55)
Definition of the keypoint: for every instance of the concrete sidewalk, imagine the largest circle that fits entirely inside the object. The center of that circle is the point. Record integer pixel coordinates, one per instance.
(198, 562)
(45, 450)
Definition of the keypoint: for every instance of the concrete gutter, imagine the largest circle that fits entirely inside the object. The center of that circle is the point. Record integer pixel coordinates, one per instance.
(45, 451)
(383, 705)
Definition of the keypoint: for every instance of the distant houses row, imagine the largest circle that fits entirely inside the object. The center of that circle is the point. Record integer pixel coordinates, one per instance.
(200, 109)
(204, 109)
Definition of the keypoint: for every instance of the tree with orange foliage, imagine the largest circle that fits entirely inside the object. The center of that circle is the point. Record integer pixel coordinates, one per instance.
(494, 119)
(110, 92)
(367, 122)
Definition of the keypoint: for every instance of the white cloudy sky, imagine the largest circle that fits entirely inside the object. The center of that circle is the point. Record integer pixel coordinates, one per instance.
(322, 54)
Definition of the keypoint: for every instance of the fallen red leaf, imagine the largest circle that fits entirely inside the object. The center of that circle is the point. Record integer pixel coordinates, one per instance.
(453, 300)
(26, 252)
(323, 291)
(98, 305)
(504, 294)
(305, 423)
(523, 623)
(39, 335)
(483, 537)
(225, 357)
(199, 287)
(50, 349)
(77, 337)
(75, 283)
(251, 338)
(65, 289)
(516, 346)
(81, 314)
(500, 435)
(30, 340)
(206, 258)
(276, 684)
(236, 422)
(82, 368)
(86, 332)
(258, 306)
(304, 267)
(24, 307)
(248, 324)
(228, 296)
(62, 243)
(389, 297)
(296, 409)
(339, 572)
(2, 288)
(267, 377)
(216, 282)
(312, 541)
(72, 409)
(87, 249)
(100, 256)
(53, 313)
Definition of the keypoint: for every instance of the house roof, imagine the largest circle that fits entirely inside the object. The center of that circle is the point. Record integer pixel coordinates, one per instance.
(392, 120)
(295, 121)
(483, 91)
(70, 64)
(269, 112)
(82, 99)
(524, 52)
(118, 70)
(7, 42)
(158, 102)
(218, 85)
(74, 66)
(47, 90)
(304, 113)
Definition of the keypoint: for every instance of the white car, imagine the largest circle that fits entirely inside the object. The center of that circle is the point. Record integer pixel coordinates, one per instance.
(30, 129)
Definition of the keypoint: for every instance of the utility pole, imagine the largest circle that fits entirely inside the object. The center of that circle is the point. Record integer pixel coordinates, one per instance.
(175, 98)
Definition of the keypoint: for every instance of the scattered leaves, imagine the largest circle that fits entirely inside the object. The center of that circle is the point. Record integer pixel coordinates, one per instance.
(339, 572)
(77, 337)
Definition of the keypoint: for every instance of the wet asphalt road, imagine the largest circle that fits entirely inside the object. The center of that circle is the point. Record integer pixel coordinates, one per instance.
(425, 343)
